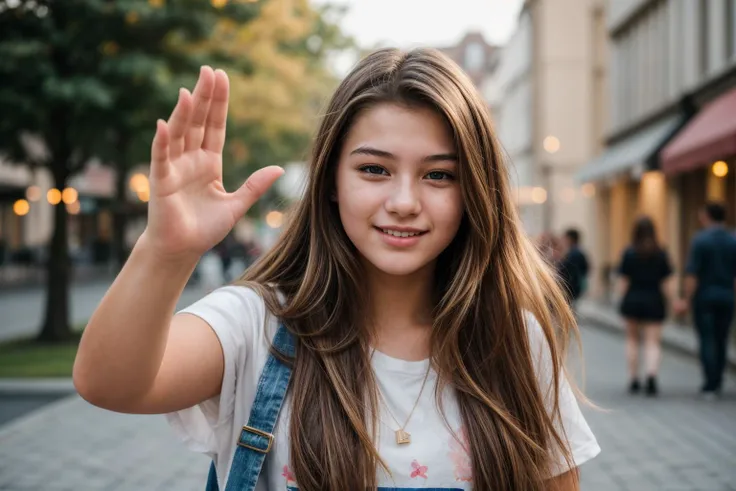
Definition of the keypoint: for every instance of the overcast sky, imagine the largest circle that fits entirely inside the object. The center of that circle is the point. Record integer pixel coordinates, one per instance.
(404, 23)
(408, 23)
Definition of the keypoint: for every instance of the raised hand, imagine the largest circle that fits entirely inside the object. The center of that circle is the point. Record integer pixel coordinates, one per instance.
(189, 209)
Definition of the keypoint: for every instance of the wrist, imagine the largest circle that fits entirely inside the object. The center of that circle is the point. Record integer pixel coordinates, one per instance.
(146, 249)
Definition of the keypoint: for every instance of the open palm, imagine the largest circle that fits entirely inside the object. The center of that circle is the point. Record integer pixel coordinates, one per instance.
(189, 210)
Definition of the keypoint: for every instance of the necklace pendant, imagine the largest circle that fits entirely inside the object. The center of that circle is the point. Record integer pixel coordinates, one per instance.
(402, 437)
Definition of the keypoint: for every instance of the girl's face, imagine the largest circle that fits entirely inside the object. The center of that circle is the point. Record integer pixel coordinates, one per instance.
(397, 188)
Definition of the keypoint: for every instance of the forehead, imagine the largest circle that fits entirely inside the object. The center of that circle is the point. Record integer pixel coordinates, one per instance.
(402, 130)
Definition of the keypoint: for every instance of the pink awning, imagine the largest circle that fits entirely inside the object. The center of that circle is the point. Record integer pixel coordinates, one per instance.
(709, 136)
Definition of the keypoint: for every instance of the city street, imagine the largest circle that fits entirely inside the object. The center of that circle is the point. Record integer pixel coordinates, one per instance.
(23, 310)
(673, 442)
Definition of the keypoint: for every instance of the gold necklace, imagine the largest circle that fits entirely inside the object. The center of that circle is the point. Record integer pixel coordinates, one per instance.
(402, 436)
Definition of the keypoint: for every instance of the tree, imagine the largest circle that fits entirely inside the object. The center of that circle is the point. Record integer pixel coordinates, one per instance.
(275, 106)
(65, 89)
(152, 58)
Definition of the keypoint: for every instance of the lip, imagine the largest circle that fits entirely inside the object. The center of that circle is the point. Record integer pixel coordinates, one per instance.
(400, 229)
(394, 241)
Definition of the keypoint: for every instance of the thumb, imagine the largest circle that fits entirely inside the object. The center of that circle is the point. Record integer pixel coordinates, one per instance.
(254, 187)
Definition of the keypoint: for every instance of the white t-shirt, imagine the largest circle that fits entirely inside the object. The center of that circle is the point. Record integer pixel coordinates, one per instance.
(435, 458)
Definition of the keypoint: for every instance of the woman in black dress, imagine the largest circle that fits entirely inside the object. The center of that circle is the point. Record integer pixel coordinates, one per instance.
(644, 269)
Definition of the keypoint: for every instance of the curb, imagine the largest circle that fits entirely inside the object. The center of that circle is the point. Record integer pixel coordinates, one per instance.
(676, 337)
(34, 418)
(37, 386)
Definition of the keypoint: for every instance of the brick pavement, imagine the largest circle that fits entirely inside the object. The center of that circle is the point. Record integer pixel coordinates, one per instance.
(674, 442)
(71, 445)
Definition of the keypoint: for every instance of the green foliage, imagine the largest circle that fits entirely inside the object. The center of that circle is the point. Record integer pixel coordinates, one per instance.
(89, 78)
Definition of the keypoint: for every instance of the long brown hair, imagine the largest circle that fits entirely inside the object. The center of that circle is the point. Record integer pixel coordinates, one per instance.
(644, 236)
(485, 281)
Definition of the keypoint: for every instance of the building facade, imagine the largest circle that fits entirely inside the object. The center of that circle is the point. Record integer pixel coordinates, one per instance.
(475, 56)
(514, 115)
(553, 77)
(670, 59)
(27, 204)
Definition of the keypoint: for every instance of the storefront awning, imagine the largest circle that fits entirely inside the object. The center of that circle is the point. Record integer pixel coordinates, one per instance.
(641, 149)
(709, 136)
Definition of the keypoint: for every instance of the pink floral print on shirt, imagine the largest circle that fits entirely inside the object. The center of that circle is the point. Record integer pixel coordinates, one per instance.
(459, 456)
(288, 475)
(419, 470)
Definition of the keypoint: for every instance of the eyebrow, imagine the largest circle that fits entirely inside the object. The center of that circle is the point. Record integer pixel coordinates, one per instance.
(375, 152)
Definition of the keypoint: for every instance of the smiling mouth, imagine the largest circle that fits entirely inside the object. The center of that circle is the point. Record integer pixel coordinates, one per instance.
(401, 234)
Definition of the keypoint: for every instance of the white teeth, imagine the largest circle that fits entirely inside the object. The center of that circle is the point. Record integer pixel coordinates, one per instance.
(396, 233)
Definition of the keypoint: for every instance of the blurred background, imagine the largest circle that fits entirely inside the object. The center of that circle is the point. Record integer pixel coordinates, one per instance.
(608, 110)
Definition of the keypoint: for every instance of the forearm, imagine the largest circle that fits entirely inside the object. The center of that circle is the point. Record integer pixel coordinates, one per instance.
(670, 290)
(691, 285)
(124, 342)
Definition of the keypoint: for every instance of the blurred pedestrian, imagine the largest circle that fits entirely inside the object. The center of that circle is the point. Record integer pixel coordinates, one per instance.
(549, 248)
(573, 266)
(644, 269)
(224, 250)
(709, 291)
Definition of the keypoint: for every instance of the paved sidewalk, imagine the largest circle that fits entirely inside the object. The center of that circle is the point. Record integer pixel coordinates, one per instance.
(673, 442)
(677, 336)
(23, 310)
(71, 445)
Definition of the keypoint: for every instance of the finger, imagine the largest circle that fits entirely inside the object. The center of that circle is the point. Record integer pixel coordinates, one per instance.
(160, 150)
(202, 97)
(214, 132)
(252, 189)
(178, 123)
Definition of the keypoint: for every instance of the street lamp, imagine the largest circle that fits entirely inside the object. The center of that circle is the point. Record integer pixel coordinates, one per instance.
(69, 195)
(588, 190)
(21, 207)
(33, 193)
(720, 169)
(274, 219)
(551, 144)
(53, 196)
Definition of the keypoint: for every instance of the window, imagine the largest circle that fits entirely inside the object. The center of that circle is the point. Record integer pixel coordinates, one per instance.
(704, 33)
(730, 37)
(474, 57)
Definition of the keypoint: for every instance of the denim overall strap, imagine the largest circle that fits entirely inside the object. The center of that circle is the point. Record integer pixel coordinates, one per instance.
(212, 484)
(256, 438)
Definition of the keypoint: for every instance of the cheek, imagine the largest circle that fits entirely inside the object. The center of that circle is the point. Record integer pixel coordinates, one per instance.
(356, 204)
(355, 196)
(448, 212)
(354, 200)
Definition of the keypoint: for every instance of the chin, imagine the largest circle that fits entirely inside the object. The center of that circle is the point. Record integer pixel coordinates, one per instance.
(397, 266)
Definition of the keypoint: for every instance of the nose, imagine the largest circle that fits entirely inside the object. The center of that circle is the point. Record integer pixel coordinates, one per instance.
(404, 198)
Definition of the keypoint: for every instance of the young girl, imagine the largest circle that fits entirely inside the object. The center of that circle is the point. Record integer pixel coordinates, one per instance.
(427, 334)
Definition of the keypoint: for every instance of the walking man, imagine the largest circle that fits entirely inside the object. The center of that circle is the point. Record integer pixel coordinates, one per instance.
(574, 266)
(709, 290)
